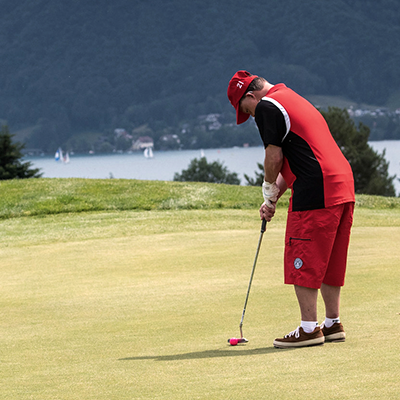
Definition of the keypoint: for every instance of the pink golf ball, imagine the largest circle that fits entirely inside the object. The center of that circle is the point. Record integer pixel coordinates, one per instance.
(233, 341)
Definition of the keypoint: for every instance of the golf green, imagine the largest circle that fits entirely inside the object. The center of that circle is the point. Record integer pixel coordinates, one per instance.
(140, 304)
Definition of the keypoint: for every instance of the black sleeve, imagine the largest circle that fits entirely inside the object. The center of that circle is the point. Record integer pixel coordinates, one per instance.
(271, 123)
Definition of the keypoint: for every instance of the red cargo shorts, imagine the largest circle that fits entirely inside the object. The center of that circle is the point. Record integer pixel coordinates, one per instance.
(316, 246)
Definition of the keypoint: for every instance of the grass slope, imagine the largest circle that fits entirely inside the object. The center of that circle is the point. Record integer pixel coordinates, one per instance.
(54, 196)
(138, 303)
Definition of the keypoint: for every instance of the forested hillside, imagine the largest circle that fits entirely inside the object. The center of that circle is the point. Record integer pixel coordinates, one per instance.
(96, 65)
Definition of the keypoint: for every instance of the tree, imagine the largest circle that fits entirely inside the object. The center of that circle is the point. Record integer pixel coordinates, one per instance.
(200, 170)
(11, 166)
(259, 178)
(370, 169)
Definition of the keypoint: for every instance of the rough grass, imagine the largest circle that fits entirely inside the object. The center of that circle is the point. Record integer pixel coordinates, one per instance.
(54, 196)
(138, 304)
(43, 196)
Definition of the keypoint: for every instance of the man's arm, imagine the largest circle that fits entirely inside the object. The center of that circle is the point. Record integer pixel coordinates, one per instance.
(272, 163)
(282, 185)
(274, 184)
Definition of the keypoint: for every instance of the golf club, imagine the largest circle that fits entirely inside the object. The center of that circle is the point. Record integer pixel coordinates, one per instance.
(235, 341)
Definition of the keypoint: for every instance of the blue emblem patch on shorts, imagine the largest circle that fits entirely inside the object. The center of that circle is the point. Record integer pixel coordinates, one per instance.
(298, 263)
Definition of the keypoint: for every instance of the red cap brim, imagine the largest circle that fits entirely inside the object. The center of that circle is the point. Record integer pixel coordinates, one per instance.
(241, 116)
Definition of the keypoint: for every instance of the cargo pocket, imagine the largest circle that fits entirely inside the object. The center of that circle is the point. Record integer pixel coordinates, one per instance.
(299, 251)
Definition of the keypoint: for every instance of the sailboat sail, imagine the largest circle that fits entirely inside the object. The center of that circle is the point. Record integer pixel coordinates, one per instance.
(148, 152)
(60, 156)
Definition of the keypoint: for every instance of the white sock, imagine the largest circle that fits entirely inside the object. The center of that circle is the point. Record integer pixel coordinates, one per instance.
(330, 321)
(309, 326)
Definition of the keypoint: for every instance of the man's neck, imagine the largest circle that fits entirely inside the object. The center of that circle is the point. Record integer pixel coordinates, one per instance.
(261, 93)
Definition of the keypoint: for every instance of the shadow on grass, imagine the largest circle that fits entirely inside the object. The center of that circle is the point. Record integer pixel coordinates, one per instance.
(230, 352)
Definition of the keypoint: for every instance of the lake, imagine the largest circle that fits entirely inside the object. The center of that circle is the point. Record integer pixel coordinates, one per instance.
(165, 164)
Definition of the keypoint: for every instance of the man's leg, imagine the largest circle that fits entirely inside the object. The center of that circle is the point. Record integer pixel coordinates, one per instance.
(331, 296)
(332, 328)
(307, 299)
(309, 333)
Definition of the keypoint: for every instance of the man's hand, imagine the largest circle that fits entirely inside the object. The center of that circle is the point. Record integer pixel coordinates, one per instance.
(267, 212)
(270, 193)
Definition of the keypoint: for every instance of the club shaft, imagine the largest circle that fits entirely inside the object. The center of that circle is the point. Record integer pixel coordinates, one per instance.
(263, 227)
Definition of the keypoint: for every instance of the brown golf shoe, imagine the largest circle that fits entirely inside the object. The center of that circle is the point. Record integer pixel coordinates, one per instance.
(299, 338)
(335, 333)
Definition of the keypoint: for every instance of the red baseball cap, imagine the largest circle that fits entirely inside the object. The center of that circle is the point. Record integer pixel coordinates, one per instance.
(236, 89)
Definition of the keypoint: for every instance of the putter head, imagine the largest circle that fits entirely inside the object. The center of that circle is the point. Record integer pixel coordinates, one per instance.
(235, 341)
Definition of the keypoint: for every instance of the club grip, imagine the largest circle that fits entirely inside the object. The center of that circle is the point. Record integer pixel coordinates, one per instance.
(263, 225)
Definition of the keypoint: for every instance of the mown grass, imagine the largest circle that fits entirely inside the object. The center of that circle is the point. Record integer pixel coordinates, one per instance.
(137, 303)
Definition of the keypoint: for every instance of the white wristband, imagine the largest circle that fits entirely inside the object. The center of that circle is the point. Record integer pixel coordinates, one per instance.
(270, 193)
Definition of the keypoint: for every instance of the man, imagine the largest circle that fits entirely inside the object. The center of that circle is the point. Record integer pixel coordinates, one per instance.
(301, 154)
